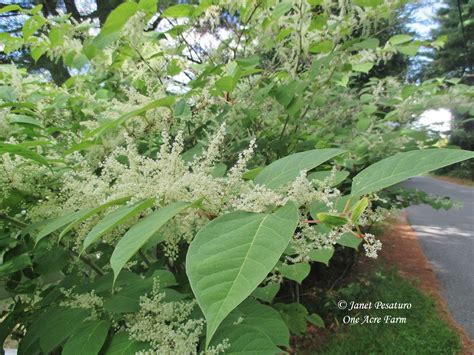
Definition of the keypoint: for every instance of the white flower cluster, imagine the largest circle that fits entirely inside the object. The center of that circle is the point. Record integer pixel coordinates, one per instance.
(166, 326)
(18, 174)
(309, 238)
(84, 300)
(168, 178)
(371, 246)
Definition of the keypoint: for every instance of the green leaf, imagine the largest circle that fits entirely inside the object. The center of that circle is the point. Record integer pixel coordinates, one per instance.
(321, 255)
(318, 207)
(332, 219)
(369, 43)
(127, 300)
(252, 174)
(61, 324)
(295, 106)
(141, 232)
(285, 93)
(318, 22)
(173, 68)
(26, 120)
(226, 83)
(321, 47)
(16, 264)
(232, 255)
(91, 212)
(32, 25)
(23, 151)
(219, 170)
(281, 9)
(358, 209)
(399, 39)
(114, 24)
(402, 166)
(339, 176)
(177, 11)
(167, 101)
(368, 3)
(148, 6)
(285, 170)
(116, 218)
(296, 272)
(253, 328)
(267, 293)
(121, 344)
(349, 240)
(57, 223)
(10, 8)
(285, 32)
(88, 339)
(407, 91)
(363, 67)
(294, 315)
(410, 49)
(315, 320)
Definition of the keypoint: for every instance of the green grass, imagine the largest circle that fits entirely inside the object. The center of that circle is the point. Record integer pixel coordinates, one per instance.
(423, 333)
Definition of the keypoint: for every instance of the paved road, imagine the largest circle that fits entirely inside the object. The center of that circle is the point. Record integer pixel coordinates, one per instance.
(447, 238)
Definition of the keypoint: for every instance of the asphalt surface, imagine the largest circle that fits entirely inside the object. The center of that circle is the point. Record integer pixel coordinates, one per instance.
(447, 239)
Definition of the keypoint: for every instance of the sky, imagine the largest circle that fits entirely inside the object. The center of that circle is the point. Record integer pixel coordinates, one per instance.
(422, 23)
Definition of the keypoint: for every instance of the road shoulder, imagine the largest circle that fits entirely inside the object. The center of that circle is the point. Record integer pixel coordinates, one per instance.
(401, 248)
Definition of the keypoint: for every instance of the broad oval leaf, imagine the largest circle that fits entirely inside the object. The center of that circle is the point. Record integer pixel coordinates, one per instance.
(399, 39)
(121, 344)
(114, 23)
(141, 232)
(61, 324)
(267, 293)
(363, 67)
(315, 320)
(232, 255)
(339, 176)
(296, 272)
(349, 240)
(88, 339)
(288, 168)
(253, 328)
(178, 11)
(114, 219)
(322, 255)
(402, 166)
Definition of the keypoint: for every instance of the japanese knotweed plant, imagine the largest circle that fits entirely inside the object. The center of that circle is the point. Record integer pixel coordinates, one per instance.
(158, 199)
(241, 233)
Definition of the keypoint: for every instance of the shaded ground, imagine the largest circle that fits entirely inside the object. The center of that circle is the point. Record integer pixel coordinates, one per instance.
(447, 239)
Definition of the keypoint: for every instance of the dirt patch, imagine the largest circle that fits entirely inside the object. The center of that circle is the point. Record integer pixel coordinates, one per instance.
(455, 180)
(402, 249)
